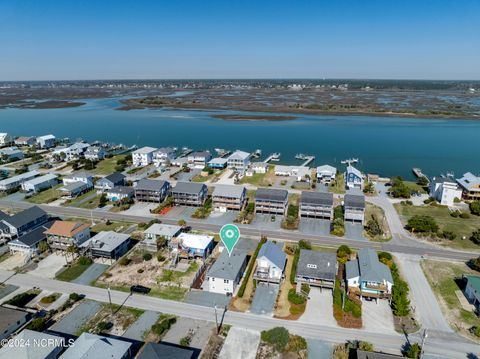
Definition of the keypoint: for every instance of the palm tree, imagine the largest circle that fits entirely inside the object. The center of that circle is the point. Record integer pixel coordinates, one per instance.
(72, 249)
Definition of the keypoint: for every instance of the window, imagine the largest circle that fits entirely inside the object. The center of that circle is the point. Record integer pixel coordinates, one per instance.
(226, 281)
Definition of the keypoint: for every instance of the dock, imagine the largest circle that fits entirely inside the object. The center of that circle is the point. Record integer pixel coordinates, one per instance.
(418, 173)
(308, 160)
(272, 157)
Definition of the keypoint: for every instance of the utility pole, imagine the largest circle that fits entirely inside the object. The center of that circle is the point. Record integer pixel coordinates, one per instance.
(110, 299)
(424, 337)
(216, 319)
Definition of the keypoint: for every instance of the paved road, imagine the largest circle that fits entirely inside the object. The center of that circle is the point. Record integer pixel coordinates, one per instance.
(440, 343)
(401, 244)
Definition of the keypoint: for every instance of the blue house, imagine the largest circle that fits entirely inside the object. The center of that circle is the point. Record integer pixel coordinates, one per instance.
(353, 178)
(218, 163)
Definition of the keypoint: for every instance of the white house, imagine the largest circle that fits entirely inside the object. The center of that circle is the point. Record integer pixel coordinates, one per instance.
(445, 190)
(163, 156)
(227, 271)
(79, 177)
(258, 167)
(353, 178)
(300, 172)
(40, 183)
(25, 141)
(16, 181)
(5, 139)
(72, 152)
(46, 141)
(143, 156)
(326, 173)
(270, 263)
(199, 159)
(239, 161)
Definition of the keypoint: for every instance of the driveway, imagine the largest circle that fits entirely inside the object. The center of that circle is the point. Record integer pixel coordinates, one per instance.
(207, 299)
(240, 343)
(77, 318)
(141, 209)
(141, 325)
(220, 218)
(264, 221)
(354, 231)
(319, 308)
(49, 266)
(264, 298)
(7, 289)
(377, 316)
(314, 226)
(319, 349)
(91, 274)
(199, 330)
(427, 309)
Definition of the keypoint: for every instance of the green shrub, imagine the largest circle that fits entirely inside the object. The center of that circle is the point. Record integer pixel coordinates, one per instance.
(251, 264)
(124, 261)
(464, 215)
(475, 207)
(296, 343)
(413, 351)
(365, 346)
(449, 235)
(75, 297)
(38, 324)
(163, 325)
(305, 288)
(147, 256)
(423, 224)
(343, 253)
(303, 244)
(278, 337)
(295, 298)
(475, 237)
(185, 341)
(102, 326)
(84, 261)
(161, 258)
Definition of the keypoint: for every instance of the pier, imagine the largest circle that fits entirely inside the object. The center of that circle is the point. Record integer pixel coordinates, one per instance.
(272, 157)
(308, 160)
(418, 173)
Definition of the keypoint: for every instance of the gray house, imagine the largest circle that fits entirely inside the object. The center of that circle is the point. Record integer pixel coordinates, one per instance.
(29, 243)
(110, 181)
(167, 351)
(227, 271)
(317, 269)
(472, 290)
(229, 197)
(271, 262)
(96, 346)
(110, 245)
(40, 346)
(316, 205)
(22, 223)
(354, 208)
(189, 194)
(11, 320)
(148, 190)
(271, 201)
(366, 276)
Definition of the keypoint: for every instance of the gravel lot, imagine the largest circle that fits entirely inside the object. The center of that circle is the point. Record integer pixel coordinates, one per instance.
(201, 332)
(77, 318)
(264, 298)
(240, 343)
(49, 266)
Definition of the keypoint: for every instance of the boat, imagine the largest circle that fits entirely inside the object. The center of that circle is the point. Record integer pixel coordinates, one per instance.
(300, 156)
(349, 161)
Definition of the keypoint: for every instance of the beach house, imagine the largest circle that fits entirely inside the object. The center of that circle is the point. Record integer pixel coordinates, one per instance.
(110, 181)
(25, 141)
(29, 243)
(164, 156)
(189, 194)
(470, 185)
(5, 139)
(326, 174)
(271, 201)
(63, 234)
(227, 271)
(317, 269)
(148, 190)
(15, 182)
(159, 234)
(108, 245)
(38, 184)
(143, 156)
(353, 178)
(367, 277)
(270, 263)
(316, 205)
(8, 154)
(199, 159)
(229, 198)
(189, 245)
(472, 290)
(445, 190)
(21, 223)
(239, 161)
(46, 141)
(95, 153)
(354, 208)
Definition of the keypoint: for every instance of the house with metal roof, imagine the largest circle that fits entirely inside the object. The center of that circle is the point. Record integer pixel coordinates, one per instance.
(317, 269)
(11, 320)
(148, 190)
(63, 234)
(165, 350)
(189, 194)
(316, 205)
(40, 183)
(354, 208)
(16, 181)
(159, 231)
(353, 178)
(239, 161)
(229, 198)
(257, 167)
(270, 263)
(23, 222)
(25, 141)
(163, 156)
(472, 290)
(470, 185)
(301, 173)
(227, 271)
(366, 276)
(445, 190)
(199, 159)
(218, 163)
(29, 243)
(10, 154)
(108, 244)
(38, 345)
(326, 173)
(189, 245)
(271, 201)
(93, 346)
(110, 181)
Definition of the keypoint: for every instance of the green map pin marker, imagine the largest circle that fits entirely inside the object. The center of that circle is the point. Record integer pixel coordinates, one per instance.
(229, 234)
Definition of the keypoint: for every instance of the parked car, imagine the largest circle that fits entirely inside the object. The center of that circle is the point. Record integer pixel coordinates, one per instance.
(139, 289)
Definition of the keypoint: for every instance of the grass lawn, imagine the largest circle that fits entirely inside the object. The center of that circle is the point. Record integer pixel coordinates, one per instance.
(460, 226)
(106, 166)
(174, 276)
(46, 196)
(84, 200)
(112, 226)
(339, 185)
(243, 304)
(379, 214)
(414, 186)
(261, 179)
(167, 292)
(441, 275)
(72, 272)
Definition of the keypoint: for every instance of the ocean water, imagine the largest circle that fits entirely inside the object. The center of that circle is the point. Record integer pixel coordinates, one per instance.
(384, 145)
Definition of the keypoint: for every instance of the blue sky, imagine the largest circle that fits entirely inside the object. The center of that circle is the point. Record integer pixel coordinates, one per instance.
(52, 40)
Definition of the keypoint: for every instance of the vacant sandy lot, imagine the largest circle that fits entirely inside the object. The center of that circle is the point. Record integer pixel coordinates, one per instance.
(49, 266)
(12, 262)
